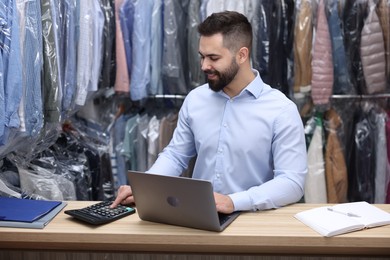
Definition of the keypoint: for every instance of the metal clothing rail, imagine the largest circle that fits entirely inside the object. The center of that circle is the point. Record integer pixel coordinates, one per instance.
(174, 96)
(386, 95)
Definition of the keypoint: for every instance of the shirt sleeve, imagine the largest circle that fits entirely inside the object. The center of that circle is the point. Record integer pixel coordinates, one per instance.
(290, 167)
(175, 157)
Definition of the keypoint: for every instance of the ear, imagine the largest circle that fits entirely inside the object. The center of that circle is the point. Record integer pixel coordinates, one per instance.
(242, 55)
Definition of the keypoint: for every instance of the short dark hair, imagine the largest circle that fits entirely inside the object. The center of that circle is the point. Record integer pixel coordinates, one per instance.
(234, 27)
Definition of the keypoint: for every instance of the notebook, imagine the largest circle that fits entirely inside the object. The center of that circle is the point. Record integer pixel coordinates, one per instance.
(177, 201)
(40, 223)
(25, 210)
(343, 218)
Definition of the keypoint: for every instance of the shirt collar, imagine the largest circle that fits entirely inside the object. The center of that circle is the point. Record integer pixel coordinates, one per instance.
(255, 87)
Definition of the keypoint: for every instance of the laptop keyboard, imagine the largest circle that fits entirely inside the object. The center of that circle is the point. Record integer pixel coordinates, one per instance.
(223, 218)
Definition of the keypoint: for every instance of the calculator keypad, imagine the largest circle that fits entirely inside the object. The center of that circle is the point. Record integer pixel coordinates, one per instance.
(101, 213)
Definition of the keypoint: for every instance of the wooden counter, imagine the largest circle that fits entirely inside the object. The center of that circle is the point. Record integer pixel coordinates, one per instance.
(274, 232)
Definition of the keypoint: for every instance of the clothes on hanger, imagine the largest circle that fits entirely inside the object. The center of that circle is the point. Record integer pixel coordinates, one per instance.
(55, 43)
(315, 185)
(372, 51)
(335, 165)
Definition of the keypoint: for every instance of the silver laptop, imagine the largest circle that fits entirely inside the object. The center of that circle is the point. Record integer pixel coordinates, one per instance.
(177, 201)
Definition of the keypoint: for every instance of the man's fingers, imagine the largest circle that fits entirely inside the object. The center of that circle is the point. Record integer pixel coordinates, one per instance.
(124, 192)
(223, 203)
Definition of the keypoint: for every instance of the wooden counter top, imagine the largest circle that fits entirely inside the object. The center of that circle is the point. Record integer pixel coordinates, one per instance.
(263, 232)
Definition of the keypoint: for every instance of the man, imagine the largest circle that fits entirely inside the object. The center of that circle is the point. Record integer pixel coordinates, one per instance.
(248, 137)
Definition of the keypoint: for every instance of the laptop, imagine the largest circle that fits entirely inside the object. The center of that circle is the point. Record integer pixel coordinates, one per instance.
(177, 201)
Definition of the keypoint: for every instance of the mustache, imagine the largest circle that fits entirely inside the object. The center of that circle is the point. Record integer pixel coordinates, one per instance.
(211, 72)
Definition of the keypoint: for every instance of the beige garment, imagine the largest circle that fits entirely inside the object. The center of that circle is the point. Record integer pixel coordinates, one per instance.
(335, 166)
(303, 32)
(167, 127)
(322, 63)
(383, 10)
(372, 51)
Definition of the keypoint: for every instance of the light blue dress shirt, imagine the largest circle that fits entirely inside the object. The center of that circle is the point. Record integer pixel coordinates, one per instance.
(11, 72)
(156, 47)
(126, 17)
(251, 147)
(141, 40)
(33, 65)
(97, 43)
(68, 48)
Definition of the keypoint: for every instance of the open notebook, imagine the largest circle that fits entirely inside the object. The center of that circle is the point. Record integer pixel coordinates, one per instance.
(343, 218)
(177, 201)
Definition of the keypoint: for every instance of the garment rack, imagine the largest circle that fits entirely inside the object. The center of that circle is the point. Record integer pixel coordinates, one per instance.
(174, 96)
(385, 95)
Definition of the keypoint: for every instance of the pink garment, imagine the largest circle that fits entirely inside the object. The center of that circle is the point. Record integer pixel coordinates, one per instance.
(322, 61)
(372, 51)
(122, 81)
(383, 9)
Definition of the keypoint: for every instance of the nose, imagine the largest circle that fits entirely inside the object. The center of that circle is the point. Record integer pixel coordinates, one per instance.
(204, 65)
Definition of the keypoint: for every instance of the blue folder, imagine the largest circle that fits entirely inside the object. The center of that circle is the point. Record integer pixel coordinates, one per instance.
(25, 210)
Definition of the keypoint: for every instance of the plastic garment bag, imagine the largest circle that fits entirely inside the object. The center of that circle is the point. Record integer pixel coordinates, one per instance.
(175, 66)
(197, 76)
(362, 163)
(42, 181)
(372, 51)
(322, 63)
(51, 74)
(280, 44)
(369, 170)
(122, 81)
(335, 164)
(303, 35)
(388, 158)
(10, 69)
(382, 175)
(315, 185)
(383, 9)
(31, 107)
(342, 83)
(156, 48)
(261, 55)
(106, 79)
(353, 21)
(141, 38)
(68, 47)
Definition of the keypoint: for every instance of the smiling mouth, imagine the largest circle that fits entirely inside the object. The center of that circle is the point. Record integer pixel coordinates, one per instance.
(211, 76)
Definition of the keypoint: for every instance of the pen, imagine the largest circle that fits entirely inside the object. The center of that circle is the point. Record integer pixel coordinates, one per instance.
(349, 214)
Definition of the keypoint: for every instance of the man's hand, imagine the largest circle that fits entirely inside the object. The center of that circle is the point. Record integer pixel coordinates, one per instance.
(224, 203)
(125, 196)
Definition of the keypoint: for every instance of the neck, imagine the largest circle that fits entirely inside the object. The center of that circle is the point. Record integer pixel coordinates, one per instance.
(241, 80)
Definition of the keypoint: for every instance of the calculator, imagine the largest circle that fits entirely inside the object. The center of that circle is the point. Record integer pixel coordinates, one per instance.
(100, 213)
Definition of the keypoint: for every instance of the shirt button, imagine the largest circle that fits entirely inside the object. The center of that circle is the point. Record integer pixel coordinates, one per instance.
(224, 125)
(220, 150)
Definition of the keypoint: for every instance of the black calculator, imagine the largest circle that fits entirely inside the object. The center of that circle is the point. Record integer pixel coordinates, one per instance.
(100, 213)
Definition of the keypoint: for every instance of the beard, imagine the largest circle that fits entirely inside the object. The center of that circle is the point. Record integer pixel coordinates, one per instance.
(223, 78)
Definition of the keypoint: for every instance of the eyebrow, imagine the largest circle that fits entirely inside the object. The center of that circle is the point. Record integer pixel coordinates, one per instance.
(209, 55)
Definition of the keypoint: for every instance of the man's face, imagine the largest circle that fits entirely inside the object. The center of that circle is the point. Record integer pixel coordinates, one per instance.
(217, 62)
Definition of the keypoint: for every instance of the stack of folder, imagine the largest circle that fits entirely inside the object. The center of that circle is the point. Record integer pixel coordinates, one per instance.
(27, 213)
